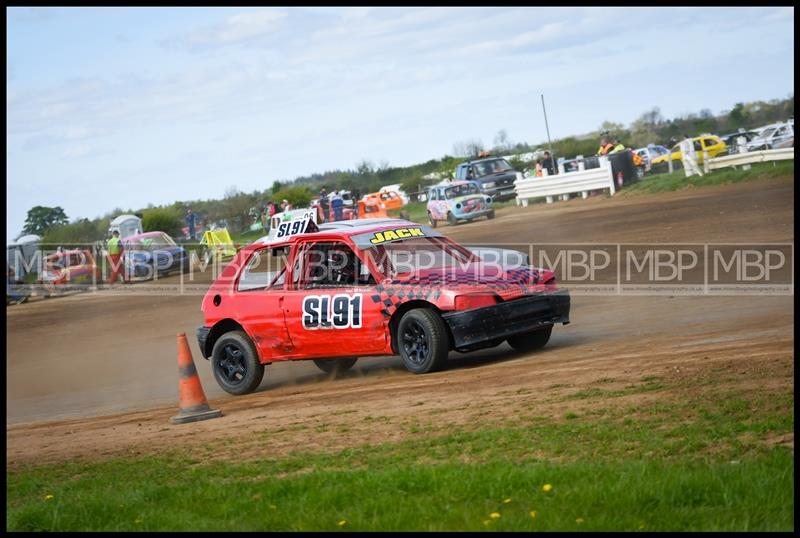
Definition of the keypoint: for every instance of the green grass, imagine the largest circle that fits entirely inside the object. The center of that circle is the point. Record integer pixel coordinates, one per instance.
(174, 494)
(677, 180)
(684, 464)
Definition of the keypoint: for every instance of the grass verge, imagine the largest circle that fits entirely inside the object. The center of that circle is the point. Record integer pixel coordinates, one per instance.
(698, 463)
(677, 180)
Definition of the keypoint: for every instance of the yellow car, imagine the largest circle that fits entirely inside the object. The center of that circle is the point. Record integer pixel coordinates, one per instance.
(710, 143)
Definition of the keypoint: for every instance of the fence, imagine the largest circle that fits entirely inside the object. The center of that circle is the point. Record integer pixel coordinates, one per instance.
(748, 158)
(581, 181)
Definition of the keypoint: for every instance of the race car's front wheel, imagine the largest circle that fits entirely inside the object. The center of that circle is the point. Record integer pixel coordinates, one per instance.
(531, 341)
(431, 220)
(422, 340)
(335, 366)
(452, 219)
(235, 363)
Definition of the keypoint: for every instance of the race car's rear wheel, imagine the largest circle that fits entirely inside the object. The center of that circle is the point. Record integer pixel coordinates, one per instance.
(235, 363)
(431, 220)
(490, 215)
(422, 340)
(531, 341)
(335, 366)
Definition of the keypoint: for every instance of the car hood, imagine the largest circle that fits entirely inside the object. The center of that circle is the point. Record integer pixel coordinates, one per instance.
(477, 277)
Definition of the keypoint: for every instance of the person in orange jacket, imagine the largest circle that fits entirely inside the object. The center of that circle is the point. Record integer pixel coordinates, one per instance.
(605, 146)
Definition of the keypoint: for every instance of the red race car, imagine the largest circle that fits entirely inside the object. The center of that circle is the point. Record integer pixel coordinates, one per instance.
(367, 287)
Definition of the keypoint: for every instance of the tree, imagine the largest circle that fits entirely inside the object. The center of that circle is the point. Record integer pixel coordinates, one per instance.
(276, 186)
(468, 148)
(501, 142)
(41, 218)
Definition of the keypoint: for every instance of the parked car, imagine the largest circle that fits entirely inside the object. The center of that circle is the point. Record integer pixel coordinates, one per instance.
(375, 287)
(456, 201)
(396, 187)
(494, 176)
(153, 254)
(649, 153)
(711, 143)
(388, 199)
(772, 136)
(69, 270)
(731, 139)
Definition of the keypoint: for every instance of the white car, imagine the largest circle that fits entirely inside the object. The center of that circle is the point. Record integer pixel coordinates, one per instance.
(771, 136)
(651, 152)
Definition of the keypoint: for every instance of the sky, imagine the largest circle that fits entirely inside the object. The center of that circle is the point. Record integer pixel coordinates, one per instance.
(124, 107)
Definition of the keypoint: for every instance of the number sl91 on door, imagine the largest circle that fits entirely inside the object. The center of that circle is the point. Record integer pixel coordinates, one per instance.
(339, 291)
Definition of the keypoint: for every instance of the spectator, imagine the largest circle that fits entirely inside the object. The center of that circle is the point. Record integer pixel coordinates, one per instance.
(285, 205)
(618, 146)
(115, 251)
(271, 209)
(549, 163)
(265, 217)
(539, 172)
(191, 219)
(337, 203)
(323, 203)
(605, 146)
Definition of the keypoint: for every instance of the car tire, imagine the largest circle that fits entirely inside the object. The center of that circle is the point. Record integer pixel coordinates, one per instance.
(452, 219)
(431, 220)
(335, 366)
(422, 340)
(490, 216)
(235, 363)
(531, 341)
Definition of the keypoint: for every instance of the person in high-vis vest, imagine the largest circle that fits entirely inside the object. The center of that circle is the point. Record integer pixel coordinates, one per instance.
(605, 146)
(115, 250)
(618, 146)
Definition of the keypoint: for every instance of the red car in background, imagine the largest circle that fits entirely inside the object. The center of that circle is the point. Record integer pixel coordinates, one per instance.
(368, 287)
(69, 269)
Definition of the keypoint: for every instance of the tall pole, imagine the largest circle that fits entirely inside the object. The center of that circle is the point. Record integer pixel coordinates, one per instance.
(549, 143)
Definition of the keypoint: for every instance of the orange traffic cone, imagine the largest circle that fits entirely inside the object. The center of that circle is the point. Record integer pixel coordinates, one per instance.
(193, 404)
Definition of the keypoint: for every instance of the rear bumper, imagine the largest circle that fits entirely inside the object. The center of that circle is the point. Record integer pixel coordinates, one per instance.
(480, 325)
(202, 336)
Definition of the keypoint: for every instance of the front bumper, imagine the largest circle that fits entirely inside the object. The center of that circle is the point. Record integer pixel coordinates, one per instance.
(471, 328)
(473, 214)
(202, 336)
(506, 192)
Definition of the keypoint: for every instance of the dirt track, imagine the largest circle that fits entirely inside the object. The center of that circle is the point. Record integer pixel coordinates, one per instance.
(99, 353)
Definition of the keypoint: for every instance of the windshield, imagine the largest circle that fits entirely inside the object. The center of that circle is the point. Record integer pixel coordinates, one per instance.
(419, 254)
(151, 242)
(768, 132)
(460, 190)
(491, 167)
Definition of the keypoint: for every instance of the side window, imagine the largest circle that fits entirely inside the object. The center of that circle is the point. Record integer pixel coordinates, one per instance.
(697, 146)
(261, 270)
(460, 172)
(331, 265)
(75, 260)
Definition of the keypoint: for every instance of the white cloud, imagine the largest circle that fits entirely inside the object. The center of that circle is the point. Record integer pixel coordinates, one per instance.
(235, 29)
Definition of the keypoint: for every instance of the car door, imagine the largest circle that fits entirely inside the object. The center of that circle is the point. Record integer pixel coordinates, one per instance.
(438, 205)
(328, 314)
(259, 292)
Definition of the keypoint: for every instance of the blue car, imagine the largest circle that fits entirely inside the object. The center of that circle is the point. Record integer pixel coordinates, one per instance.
(154, 254)
(456, 201)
